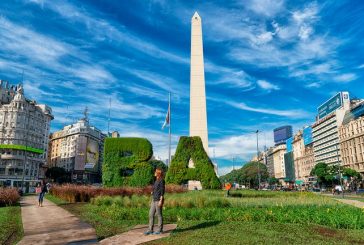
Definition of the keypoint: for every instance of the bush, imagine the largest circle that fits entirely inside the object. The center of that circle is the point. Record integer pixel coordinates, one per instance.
(8, 196)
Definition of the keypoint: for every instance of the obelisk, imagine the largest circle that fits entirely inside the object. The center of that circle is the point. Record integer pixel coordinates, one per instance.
(198, 116)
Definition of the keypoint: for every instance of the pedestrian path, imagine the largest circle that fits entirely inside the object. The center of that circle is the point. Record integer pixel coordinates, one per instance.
(136, 236)
(354, 203)
(51, 224)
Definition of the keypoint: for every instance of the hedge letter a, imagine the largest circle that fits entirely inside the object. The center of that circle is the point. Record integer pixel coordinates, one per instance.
(190, 151)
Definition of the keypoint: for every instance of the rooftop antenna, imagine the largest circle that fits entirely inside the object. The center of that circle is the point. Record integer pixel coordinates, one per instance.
(22, 77)
(67, 116)
(108, 122)
(85, 113)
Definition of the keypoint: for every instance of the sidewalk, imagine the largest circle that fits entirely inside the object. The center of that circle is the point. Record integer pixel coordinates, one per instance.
(136, 236)
(354, 203)
(51, 224)
(351, 202)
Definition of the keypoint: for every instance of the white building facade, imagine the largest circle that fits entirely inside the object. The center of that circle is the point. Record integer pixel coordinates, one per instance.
(78, 148)
(325, 132)
(24, 132)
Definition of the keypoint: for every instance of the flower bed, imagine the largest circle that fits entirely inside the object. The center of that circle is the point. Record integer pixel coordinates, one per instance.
(82, 193)
(8, 196)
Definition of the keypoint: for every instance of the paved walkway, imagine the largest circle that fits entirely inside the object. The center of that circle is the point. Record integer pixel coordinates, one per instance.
(354, 203)
(136, 236)
(51, 224)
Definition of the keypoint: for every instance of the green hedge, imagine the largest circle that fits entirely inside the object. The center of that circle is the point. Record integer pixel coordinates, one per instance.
(126, 162)
(179, 173)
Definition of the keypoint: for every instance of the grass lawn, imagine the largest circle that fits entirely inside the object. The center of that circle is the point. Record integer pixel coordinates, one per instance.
(11, 230)
(207, 217)
(212, 232)
(55, 200)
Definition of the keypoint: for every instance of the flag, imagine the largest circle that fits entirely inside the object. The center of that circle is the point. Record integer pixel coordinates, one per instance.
(168, 116)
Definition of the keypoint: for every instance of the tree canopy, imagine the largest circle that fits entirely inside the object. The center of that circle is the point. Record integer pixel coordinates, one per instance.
(247, 174)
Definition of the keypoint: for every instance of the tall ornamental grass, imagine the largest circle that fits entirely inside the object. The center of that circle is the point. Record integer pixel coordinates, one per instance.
(8, 196)
(83, 193)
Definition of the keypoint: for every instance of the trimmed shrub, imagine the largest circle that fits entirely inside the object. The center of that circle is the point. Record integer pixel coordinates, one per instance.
(126, 162)
(8, 196)
(179, 173)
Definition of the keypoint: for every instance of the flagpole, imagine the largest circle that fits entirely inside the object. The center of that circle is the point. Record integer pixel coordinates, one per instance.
(169, 131)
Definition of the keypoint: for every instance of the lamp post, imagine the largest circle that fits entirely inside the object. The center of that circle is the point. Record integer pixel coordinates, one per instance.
(258, 160)
(340, 174)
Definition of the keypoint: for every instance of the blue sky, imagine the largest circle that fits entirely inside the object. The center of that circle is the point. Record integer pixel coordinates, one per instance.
(268, 63)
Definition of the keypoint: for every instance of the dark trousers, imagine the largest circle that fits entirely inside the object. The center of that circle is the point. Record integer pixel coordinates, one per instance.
(41, 196)
(154, 208)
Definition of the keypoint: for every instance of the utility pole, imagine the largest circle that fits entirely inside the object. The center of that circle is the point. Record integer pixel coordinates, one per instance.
(258, 160)
(340, 174)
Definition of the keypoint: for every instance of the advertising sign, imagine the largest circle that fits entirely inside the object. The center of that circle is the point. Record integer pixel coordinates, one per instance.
(92, 155)
(329, 106)
(281, 134)
(307, 136)
(289, 144)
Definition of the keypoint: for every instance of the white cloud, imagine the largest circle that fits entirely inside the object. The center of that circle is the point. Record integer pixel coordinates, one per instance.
(308, 14)
(224, 170)
(267, 85)
(347, 77)
(305, 32)
(242, 146)
(314, 85)
(20, 41)
(283, 113)
(267, 8)
(264, 38)
(361, 66)
(102, 29)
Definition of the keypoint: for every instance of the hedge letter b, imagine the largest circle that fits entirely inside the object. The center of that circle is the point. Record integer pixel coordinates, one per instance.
(126, 162)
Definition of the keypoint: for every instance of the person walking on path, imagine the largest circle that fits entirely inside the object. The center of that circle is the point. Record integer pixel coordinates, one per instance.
(43, 191)
(156, 205)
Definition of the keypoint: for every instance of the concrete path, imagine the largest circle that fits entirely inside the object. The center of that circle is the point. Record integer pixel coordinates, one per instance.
(51, 224)
(354, 203)
(136, 236)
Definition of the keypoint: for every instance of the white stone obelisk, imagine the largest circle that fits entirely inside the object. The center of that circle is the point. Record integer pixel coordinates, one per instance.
(198, 115)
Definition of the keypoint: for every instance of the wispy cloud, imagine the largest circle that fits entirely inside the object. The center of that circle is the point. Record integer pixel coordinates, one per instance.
(267, 85)
(347, 77)
(284, 113)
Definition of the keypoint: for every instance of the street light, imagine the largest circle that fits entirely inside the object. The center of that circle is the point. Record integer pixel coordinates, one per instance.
(258, 161)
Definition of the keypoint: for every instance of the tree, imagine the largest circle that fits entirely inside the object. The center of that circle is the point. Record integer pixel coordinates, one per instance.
(353, 177)
(326, 174)
(248, 174)
(273, 181)
(351, 173)
(57, 174)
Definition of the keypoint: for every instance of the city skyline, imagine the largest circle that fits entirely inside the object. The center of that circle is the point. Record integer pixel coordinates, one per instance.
(267, 65)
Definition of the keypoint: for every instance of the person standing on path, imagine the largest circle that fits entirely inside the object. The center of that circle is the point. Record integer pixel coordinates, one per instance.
(156, 205)
(43, 191)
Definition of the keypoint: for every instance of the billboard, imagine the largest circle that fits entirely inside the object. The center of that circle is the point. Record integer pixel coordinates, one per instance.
(289, 144)
(329, 106)
(92, 155)
(281, 134)
(307, 135)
